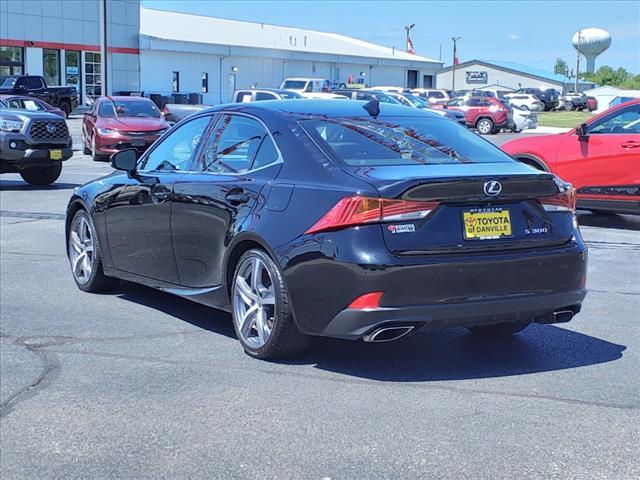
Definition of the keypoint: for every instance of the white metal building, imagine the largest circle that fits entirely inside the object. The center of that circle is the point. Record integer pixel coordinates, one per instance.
(60, 40)
(605, 95)
(182, 53)
(476, 74)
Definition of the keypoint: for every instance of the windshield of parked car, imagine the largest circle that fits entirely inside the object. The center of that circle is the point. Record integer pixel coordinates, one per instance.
(128, 108)
(7, 82)
(294, 84)
(402, 141)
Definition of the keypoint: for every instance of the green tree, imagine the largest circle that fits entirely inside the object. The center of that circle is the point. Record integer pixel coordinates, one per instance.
(561, 67)
(606, 75)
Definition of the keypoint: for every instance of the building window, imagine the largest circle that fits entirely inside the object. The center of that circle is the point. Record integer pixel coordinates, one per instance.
(11, 61)
(72, 69)
(205, 82)
(51, 66)
(176, 82)
(92, 77)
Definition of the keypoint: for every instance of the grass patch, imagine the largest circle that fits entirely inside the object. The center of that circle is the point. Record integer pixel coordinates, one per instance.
(562, 119)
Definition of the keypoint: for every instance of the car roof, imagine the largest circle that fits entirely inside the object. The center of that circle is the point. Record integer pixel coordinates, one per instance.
(122, 98)
(272, 90)
(320, 108)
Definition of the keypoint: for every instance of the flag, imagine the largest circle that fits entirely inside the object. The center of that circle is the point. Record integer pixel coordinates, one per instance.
(410, 48)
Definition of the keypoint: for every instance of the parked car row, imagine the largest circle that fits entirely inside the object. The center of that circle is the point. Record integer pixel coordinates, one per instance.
(64, 98)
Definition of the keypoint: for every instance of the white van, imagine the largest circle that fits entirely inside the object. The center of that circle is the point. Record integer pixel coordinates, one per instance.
(305, 85)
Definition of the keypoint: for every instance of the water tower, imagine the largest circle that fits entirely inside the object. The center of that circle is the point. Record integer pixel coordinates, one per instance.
(591, 42)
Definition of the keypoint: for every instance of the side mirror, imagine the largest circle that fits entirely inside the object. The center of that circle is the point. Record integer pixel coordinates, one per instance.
(125, 160)
(582, 132)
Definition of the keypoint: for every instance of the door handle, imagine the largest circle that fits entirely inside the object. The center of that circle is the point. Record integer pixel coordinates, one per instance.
(630, 144)
(237, 197)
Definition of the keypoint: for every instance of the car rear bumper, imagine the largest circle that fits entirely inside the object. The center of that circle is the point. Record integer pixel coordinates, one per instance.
(440, 290)
(354, 324)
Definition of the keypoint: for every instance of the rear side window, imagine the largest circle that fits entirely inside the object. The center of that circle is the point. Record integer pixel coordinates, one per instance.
(234, 145)
(265, 96)
(401, 141)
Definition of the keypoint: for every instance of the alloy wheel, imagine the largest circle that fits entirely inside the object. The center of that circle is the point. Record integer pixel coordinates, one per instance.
(484, 126)
(254, 302)
(81, 249)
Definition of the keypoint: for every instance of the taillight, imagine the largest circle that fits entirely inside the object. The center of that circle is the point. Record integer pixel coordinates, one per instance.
(564, 201)
(353, 211)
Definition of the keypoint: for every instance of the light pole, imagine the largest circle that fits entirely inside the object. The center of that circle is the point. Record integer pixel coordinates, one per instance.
(455, 61)
(578, 60)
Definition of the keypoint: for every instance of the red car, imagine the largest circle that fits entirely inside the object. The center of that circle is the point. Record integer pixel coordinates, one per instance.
(601, 158)
(486, 114)
(592, 103)
(115, 123)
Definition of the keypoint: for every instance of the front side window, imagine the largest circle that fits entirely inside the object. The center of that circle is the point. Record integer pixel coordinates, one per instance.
(626, 120)
(235, 144)
(176, 149)
(401, 141)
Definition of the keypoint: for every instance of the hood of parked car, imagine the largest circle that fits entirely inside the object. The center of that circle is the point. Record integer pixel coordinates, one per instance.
(133, 124)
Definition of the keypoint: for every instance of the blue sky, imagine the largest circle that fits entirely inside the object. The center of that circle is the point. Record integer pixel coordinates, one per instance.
(531, 33)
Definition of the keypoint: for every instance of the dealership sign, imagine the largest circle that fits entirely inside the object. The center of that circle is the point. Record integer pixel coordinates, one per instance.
(476, 77)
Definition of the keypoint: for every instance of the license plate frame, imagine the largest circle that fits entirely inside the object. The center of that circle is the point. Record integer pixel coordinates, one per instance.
(138, 142)
(474, 228)
(55, 154)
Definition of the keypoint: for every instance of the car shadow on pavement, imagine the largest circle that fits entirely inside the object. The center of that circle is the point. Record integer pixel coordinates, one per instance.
(20, 185)
(452, 354)
(198, 315)
(605, 220)
(456, 354)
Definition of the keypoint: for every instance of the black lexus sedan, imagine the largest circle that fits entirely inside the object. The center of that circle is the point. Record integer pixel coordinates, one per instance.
(343, 219)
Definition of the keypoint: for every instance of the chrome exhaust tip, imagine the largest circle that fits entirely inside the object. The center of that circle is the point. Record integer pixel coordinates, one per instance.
(387, 334)
(561, 316)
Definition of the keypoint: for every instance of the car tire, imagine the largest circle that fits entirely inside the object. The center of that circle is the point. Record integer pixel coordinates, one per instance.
(42, 176)
(85, 150)
(498, 330)
(65, 106)
(525, 107)
(485, 126)
(270, 331)
(85, 258)
(95, 156)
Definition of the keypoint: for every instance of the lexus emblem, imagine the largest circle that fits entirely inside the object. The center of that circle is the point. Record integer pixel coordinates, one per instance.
(492, 188)
(51, 128)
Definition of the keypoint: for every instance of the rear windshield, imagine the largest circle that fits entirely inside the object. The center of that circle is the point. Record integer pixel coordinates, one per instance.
(402, 141)
(294, 84)
(128, 108)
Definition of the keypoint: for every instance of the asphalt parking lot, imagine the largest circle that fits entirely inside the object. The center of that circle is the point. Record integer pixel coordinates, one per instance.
(141, 384)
